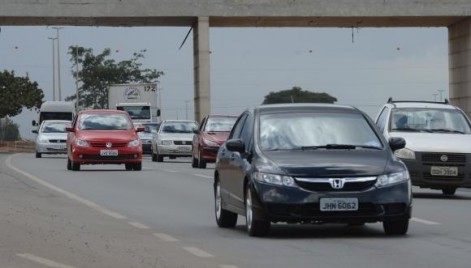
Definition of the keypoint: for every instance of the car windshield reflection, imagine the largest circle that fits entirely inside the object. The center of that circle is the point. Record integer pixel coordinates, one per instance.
(320, 131)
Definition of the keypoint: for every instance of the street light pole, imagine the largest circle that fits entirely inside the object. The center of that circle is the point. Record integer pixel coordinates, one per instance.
(440, 91)
(58, 63)
(186, 109)
(76, 80)
(53, 68)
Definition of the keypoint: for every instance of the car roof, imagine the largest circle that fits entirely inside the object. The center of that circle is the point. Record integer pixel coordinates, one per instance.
(55, 121)
(221, 115)
(176, 121)
(305, 106)
(418, 104)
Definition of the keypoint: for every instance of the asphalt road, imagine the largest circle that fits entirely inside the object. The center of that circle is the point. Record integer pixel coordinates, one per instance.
(162, 216)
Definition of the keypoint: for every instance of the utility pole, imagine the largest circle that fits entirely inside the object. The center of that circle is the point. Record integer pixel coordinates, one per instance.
(53, 67)
(76, 80)
(58, 63)
(441, 91)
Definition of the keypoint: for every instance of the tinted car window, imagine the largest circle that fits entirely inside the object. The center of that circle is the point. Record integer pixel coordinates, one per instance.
(235, 133)
(296, 130)
(104, 122)
(247, 130)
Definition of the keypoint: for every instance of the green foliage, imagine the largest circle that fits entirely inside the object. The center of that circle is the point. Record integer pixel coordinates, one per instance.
(296, 94)
(18, 92)
(9, 131)
(97, 72)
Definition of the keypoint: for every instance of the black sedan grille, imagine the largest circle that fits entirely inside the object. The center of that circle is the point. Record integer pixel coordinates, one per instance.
(326, 186)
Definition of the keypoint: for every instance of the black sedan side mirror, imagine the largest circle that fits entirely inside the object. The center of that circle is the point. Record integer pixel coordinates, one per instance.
(397, 143)
(235, 145)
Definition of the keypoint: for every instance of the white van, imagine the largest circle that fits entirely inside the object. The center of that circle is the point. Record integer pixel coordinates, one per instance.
(56, 110)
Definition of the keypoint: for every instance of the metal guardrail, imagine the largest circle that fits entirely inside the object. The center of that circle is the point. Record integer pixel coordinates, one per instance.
(17, 146)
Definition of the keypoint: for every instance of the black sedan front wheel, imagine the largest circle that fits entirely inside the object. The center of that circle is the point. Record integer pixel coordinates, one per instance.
(396, 227)
(254, 227)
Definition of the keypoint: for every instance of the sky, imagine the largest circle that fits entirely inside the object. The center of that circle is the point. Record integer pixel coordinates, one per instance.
(360, 67)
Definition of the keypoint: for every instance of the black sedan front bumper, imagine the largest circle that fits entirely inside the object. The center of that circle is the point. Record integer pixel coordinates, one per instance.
(294, 204)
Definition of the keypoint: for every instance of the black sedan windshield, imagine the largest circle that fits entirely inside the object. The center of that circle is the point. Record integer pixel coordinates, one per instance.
(319, 130)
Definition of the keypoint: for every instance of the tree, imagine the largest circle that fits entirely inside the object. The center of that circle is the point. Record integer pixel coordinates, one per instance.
(18, 92)
(9, 131)
(97, 72)
(296, 94)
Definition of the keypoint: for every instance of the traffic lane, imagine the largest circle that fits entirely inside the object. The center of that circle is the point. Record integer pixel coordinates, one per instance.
(42, 228)
(296, 245)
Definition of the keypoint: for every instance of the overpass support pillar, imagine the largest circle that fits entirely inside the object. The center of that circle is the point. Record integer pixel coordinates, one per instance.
(201, 55)
(459, 53)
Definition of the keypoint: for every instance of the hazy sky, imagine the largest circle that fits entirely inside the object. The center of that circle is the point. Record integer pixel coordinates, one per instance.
(362, 70)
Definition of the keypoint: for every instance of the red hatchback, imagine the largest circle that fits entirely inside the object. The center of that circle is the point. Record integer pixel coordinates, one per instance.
(103, 137)
(213, 132)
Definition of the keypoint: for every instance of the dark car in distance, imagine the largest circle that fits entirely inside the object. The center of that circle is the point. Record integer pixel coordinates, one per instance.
(310, 163)
(212, 133)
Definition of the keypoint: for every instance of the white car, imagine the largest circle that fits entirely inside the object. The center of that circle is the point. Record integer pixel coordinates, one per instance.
(438, 142)
(52, 137)
(173, 139)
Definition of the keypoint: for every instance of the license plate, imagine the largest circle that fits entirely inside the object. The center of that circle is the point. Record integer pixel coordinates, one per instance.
(339, 204)
(444, 171)
(184, 148)
(108, 152)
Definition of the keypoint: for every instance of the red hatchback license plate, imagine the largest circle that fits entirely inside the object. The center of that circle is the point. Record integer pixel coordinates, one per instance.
(108, 152)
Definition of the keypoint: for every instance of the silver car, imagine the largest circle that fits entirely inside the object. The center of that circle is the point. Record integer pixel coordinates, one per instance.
(438, 142)
(52, 137)
(173, 139)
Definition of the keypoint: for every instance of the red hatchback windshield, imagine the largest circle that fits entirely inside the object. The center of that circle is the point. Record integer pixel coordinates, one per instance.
(104, 122)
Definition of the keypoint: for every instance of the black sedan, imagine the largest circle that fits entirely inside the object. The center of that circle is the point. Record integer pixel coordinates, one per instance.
(310, 163)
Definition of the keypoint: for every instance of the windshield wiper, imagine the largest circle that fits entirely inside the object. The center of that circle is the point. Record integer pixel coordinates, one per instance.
(446, 130)
(330, 146)
(407, 129)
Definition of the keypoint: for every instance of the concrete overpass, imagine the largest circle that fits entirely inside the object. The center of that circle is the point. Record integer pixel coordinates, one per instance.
(203, 14)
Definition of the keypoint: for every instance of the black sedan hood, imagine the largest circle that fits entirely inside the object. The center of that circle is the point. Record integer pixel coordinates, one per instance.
(328, 163)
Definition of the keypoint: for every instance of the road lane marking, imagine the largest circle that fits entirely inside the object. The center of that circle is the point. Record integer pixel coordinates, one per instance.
(203, 176)
(166, 237)
(424, 221)
(168, 170)
(66, 193)
(43, 261)
(228, 266)
(138, 225)
(198, 252)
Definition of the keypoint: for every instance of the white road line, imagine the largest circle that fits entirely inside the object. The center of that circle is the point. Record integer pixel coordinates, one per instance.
(198, 252)
(228, 266)
(168, 170)
(66, 193)
(166, 237)
(44, 261)
(138, 225)
(202, 176)
(425, 221)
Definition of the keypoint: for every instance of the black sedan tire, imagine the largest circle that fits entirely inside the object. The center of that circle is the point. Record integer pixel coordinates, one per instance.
(396, 227)
(254, 227)
(224, 218)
